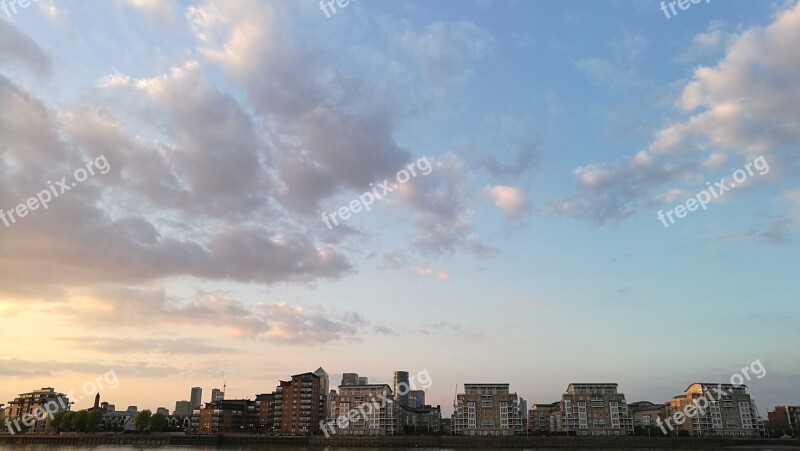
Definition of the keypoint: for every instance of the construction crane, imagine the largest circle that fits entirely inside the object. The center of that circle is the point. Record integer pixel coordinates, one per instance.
(224, 383)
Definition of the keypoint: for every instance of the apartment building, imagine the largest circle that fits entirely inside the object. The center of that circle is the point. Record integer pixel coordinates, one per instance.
(785, 417)
(369, 409)
(487, 409)
(731, 412)
(265, 406)
(421, 419)
(646, 414)
(594, 409)
(31, 405)
(300, 404)
(239, 415)
(542, 418)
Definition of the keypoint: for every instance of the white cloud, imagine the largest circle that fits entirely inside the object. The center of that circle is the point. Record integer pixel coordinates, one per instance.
(508, 199)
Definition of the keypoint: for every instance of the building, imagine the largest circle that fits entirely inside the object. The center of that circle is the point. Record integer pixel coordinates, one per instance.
(196, 397)
(119, 421)
(325, 386)
(353, 379)
(31, 406)
(523, 412)
(416, 399)
(731, 412)
(425, 419)
(365, 410)
(646, 414)
(542, 418)
(447, 426)
(786, 418)
(217, 395)
(265, 406)
(183, 409)
(300, 405)
(401, 387)
(163, 411)
(332, 401)
(487, 409)
(594, 409)
(225, 416)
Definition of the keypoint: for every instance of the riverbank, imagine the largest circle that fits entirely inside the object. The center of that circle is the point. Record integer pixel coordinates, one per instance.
(518, 442)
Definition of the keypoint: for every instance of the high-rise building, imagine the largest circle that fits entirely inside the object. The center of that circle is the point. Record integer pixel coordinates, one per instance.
(369, 410)
(324, 386)
(731, 412)
(487, 409)
(353, 379)
(265, 404)
(196, 397)
(401, 387)
(594, 409)
(416, 399)
(217, 395)
(300, 404)
(183, 409)
(163, 411)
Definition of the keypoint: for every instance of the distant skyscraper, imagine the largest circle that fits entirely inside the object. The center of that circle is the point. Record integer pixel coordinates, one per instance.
(217, 395)
(196, 398)
(350, 379)
(416, 399)
(401, 387)
(183, 409)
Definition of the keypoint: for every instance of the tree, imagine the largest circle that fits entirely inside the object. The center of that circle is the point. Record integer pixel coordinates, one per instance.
(79, 421)
(57, 422)
(66, 421)
(158, 422)
(93, 420)
(142, 420)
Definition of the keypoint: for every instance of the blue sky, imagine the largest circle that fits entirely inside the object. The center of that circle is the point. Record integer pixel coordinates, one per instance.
(531, 254)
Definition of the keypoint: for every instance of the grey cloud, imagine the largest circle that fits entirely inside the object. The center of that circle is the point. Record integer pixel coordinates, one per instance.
(20, 50)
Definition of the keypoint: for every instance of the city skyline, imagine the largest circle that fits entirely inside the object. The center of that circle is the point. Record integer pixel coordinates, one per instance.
(532, 193)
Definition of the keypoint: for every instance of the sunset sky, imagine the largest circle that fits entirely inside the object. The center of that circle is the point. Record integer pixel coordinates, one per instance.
(531, 254)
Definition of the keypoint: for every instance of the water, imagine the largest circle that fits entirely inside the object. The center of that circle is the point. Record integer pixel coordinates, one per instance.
(299, 448)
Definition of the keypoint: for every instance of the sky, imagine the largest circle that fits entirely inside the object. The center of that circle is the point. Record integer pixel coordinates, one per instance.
(188, 155)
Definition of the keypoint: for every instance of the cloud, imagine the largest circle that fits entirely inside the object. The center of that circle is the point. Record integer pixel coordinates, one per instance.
(511, 201)
(443, 50)
(163, 346)
(279, 322)
(19, 50)
(45, 368)
(438, 202)
(745, 106)
(429, 272)
(707, 44)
